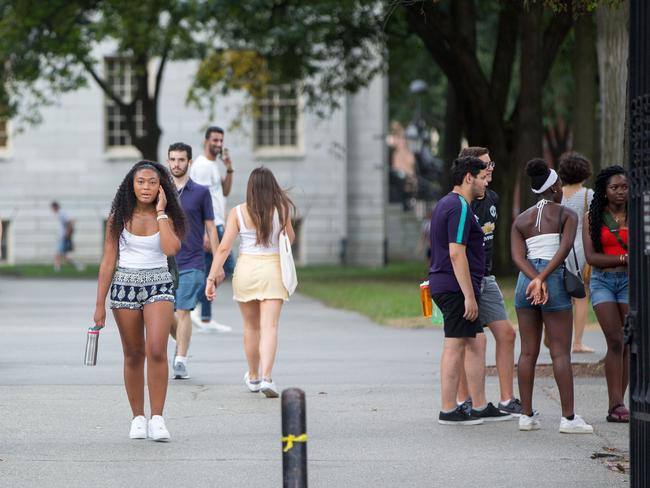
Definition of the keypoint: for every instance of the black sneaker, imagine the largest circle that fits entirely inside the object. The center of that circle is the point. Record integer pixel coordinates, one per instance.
(466, 406)
(491, 414)
(458, 417)
(513, 407)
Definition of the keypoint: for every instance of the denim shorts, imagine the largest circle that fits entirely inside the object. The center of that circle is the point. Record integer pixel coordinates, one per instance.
(134, 288)
(189, 282)
(608, 286)
(558, 298)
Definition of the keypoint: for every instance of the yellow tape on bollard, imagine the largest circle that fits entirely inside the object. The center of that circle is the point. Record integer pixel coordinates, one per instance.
(290, 439)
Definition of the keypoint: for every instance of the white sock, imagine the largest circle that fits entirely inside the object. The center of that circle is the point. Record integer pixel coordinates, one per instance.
(181, 359)
(504, 402)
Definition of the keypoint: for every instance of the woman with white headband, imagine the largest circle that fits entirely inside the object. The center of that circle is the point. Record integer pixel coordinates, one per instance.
(541, 239)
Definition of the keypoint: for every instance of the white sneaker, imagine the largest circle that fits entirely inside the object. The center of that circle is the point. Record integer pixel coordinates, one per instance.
(195, 316)
(138, 427)
(253, 385)
(575, 426)
(157, 429)
(528, 423)
(212, 325)
(269, 389)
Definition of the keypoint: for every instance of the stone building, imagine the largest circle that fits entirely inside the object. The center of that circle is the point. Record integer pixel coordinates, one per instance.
(335, 167)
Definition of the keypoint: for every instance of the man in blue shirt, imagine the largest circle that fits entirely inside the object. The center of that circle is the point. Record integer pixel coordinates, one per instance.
(455, 275)
(197, 204)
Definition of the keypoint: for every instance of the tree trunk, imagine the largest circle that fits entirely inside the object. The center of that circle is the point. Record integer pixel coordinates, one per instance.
(612, 47)
(585, 74)
(452, 134)
(529, 131)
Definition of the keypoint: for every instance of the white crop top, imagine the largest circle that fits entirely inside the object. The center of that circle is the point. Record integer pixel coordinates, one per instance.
(141, 252)
(543, 246)
(248, 237)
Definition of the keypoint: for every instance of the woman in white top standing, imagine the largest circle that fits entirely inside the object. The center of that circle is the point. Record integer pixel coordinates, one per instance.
(574, 169)
(257, 280)
(145, 226)
(541, 238)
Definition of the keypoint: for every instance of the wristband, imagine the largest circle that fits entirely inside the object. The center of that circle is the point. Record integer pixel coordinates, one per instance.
(162, 216)
(230, 170)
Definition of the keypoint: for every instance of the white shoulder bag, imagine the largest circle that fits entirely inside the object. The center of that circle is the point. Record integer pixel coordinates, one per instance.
(289, 277)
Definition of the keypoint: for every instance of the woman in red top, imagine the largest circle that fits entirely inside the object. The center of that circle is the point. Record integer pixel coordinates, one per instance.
(605, 243)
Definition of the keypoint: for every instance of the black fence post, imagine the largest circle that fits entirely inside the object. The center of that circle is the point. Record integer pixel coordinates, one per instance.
(294, 439)
(637, 331)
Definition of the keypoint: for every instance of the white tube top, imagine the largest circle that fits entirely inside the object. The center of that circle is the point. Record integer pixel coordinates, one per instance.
(141, 252)
(543, 246)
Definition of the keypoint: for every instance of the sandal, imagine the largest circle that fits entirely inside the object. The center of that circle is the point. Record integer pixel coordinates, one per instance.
(619, 414)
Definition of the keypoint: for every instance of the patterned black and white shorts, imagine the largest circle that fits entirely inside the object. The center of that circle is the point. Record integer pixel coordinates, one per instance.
(135, 288)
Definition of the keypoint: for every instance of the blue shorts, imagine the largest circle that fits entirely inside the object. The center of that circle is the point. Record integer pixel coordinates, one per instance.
(558, 298)
(189, 282)
(608, 286)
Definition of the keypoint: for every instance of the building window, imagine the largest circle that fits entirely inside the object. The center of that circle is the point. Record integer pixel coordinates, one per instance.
(277, 126)
(120, 76)
(4, 242)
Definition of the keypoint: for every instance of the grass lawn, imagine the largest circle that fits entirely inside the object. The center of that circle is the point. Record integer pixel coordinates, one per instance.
(388, 295)
(47, 271)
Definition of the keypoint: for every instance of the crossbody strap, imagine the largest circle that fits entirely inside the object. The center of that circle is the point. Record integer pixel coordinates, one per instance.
(575, 257)
(614, 228)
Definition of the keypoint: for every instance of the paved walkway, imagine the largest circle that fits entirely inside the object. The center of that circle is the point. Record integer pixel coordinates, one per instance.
(372, 400)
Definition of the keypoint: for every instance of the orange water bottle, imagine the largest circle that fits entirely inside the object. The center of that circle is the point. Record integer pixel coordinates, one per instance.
(425, 298)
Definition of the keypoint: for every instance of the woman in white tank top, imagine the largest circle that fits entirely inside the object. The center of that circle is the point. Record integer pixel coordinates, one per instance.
(145, 226)
(541, 239)
(257, 280)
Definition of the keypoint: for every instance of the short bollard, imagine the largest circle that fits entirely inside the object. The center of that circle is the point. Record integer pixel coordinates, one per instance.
(294, 439)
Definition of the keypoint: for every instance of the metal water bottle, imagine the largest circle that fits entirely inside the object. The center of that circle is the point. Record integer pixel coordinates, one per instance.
(92, 339)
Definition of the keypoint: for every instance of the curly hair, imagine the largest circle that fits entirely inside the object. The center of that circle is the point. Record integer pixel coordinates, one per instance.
(599, 203)
(573, 168)
(124, 202)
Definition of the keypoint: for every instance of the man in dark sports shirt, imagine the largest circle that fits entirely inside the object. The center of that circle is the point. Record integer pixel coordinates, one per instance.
(492, 309)
(455, 274)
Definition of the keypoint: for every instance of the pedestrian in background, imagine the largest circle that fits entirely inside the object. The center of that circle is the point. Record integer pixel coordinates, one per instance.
(605, 238)
(205, 171)
(257, 281)
(145, 225)
(574, 169)
(541, 239)
(64, 244)
(197, 205)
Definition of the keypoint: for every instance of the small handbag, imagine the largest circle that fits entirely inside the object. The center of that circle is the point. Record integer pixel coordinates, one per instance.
(573, 283)
(288, 267)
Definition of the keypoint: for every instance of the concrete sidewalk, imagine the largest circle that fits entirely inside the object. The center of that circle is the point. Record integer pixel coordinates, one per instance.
(372, 400)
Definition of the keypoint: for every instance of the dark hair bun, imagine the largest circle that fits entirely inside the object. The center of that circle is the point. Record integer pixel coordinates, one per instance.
(536, 168)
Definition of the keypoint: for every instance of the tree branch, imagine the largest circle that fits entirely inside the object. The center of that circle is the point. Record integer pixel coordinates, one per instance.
(161, 67)
(102, 84)
(429, 26)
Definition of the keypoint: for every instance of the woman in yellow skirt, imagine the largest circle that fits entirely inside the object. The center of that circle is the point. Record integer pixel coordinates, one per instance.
(257, 280)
